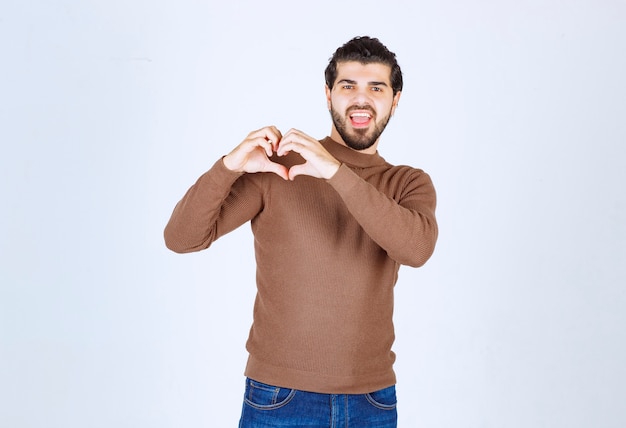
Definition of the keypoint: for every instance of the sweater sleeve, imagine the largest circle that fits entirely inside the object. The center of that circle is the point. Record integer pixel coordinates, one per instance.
(220, 201)
(403, 225)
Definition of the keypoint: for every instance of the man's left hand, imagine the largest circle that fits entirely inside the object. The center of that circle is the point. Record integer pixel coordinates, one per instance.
(318, 162)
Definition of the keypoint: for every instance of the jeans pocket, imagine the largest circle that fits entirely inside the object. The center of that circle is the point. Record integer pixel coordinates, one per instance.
(267, 397)
(384, 399)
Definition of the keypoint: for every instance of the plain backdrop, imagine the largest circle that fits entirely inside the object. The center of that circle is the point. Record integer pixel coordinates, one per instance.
(109, 111)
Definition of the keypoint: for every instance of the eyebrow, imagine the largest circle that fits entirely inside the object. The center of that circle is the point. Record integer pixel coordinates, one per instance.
(353, 82)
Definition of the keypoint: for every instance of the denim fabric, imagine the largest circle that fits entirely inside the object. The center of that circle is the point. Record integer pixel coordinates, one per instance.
(267, 406)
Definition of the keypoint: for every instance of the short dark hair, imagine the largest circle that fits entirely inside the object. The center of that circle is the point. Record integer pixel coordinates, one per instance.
(366, 50)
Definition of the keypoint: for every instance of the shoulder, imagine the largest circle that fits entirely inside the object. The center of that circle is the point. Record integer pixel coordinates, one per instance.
(399, 181)
(402, 173)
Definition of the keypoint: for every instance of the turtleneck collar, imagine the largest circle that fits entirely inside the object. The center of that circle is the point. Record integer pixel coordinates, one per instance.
(350, 156)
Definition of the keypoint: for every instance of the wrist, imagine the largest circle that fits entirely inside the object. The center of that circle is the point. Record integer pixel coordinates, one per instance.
(333, 170)
(227, 161)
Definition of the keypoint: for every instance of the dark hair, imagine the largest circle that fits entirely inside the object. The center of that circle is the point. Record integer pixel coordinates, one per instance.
(366, 50)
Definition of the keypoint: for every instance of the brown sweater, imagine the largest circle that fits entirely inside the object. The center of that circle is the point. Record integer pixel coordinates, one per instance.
(328, 254)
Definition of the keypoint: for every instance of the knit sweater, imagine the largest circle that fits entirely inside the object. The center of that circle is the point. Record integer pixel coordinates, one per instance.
(328, 254)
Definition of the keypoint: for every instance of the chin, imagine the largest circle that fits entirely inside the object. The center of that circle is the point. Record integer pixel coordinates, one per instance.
(360, 140)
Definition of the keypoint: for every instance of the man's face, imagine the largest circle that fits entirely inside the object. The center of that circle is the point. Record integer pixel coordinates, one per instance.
(361, 103)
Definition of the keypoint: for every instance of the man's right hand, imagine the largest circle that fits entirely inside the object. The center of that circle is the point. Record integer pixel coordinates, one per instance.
(253, 154)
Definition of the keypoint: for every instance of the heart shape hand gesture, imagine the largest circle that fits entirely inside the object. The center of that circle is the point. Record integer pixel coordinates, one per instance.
(253, 154)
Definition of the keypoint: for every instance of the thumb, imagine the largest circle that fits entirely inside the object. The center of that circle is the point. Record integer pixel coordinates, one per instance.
(298, 170)
(277, 169)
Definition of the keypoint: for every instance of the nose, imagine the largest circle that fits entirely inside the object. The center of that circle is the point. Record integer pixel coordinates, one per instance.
(362, 96)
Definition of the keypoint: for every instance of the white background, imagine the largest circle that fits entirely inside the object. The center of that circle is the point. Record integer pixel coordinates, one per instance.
(109, 110)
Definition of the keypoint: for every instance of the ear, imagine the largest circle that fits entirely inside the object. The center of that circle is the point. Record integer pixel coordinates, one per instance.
(327, 90)
(396, 100)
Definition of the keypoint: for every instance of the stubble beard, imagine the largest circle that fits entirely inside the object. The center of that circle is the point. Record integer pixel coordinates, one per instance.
(358, 139)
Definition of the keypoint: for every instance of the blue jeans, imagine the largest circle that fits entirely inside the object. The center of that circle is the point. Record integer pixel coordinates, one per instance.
(267, 406)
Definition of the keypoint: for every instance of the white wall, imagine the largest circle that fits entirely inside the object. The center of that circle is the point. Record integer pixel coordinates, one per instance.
(110, 110)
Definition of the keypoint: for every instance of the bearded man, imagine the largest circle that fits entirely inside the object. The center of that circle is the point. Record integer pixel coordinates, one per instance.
(332, 222)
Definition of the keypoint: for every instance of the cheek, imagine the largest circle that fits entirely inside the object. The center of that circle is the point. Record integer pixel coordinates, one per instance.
(385, 106)
(335, 104)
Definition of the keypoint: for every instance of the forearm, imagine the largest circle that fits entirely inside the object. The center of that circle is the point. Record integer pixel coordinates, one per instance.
(405, 229)
(194, 224)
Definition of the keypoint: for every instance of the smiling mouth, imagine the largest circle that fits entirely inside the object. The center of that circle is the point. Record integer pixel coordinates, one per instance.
(360, 119)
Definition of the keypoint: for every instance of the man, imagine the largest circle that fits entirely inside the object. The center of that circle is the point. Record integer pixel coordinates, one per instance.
(332, 222)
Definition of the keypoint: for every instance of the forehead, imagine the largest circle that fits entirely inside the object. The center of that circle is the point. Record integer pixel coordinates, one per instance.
(372, 72)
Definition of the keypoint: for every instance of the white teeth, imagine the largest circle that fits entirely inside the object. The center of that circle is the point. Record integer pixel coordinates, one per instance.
(360, 115)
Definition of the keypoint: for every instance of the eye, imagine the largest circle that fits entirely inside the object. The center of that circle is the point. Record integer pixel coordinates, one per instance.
(348, 86)
(377, 89)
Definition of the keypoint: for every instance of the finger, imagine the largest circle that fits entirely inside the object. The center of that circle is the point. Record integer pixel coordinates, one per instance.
(295, 132)
(250, 145)
(273, 145)
(273, 135)
(266, 145)
(290, 142)
(297, 141)
(277, 169)
(285, 147)
(268, 133)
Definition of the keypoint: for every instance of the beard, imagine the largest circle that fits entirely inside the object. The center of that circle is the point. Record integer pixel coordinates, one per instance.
(358, 139)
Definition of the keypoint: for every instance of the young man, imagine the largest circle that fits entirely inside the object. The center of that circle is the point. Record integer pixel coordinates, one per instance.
(333, 222)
